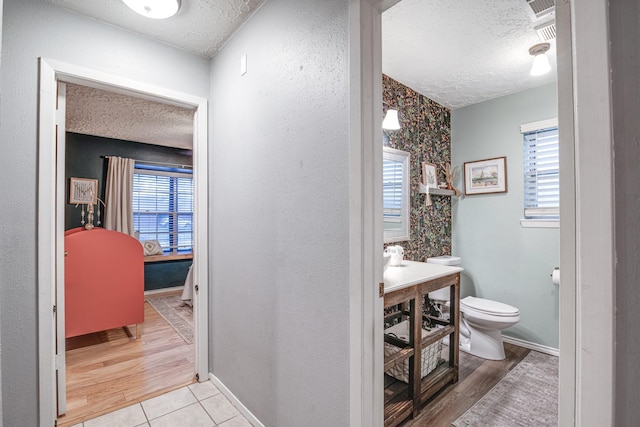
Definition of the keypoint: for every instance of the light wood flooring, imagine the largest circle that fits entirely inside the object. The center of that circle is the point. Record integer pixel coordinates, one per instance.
(476, 377)
(109, 370)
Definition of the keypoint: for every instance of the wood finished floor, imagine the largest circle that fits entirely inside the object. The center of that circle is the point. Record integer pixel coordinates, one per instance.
(476, 377)
(108, 370)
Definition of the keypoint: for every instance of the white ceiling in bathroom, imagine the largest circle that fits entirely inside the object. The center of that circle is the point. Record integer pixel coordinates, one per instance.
(461, 52)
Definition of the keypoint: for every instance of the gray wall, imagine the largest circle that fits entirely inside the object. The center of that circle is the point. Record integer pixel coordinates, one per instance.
(1, 267)
(624, 24)
(280, 244)
(502, 260)
(32, 29)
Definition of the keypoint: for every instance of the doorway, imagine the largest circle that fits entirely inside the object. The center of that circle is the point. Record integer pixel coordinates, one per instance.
(568, 312)
(51, 228)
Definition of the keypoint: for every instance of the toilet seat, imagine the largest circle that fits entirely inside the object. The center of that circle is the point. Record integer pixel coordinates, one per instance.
(489, 307)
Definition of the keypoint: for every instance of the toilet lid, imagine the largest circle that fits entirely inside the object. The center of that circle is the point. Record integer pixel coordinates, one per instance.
(489, 307)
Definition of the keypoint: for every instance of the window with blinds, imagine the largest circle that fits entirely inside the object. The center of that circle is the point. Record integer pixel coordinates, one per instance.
(163, 208)
(541, 170)
(395, 194)
(392, 191)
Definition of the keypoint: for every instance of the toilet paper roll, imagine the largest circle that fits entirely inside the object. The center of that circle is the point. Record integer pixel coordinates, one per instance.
(555, 276)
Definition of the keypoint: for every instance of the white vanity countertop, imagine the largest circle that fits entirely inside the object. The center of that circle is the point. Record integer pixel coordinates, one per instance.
(412, 273)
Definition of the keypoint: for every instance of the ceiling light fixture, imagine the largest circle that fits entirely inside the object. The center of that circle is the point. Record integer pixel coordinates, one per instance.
(540, 60)
(390, 121)
(154, 9)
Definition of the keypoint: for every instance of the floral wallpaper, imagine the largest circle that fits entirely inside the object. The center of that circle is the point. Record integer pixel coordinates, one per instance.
(426, 135)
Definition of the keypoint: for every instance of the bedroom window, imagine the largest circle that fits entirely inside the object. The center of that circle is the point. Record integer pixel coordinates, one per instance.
(541, 170)
(163, 207)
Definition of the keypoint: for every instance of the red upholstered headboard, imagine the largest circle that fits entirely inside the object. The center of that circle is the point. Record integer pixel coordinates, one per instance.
(104, 281)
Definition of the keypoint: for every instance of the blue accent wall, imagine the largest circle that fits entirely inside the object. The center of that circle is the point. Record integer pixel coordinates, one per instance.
(85, 158)
(502, 260)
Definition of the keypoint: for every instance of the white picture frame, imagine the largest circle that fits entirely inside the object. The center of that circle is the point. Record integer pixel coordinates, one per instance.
(83, 191)
(429, 175)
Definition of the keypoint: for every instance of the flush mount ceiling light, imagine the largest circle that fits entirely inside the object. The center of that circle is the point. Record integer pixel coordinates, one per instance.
(155, 9)
(540, 60)
(390, 121)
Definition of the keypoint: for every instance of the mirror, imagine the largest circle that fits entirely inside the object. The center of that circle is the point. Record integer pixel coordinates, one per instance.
(395, 188)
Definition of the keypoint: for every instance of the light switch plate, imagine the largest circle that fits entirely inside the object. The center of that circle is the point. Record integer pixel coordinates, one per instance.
(243, 65)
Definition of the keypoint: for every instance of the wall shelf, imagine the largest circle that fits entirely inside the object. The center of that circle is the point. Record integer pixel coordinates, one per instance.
(436, 191)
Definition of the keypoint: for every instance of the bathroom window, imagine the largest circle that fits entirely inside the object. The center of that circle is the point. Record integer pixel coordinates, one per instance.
(541, 170)
(395, 187)
(163, 207)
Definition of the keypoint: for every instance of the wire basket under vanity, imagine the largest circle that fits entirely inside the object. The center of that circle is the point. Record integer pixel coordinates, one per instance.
(430, 354)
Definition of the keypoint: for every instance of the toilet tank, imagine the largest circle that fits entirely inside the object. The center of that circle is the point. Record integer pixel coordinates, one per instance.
(442, 294)
(445, 260)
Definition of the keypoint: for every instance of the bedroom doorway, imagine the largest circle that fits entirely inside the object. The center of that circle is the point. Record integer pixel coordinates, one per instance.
(51, 220)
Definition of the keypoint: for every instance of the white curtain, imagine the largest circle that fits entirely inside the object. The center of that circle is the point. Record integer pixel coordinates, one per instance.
(119, 194)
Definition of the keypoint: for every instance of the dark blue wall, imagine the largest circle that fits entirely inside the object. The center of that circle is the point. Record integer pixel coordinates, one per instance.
(165, 274)
(85, 159)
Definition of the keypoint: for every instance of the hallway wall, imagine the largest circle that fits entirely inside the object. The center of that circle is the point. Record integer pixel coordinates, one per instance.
(280, 245)
(624, 25)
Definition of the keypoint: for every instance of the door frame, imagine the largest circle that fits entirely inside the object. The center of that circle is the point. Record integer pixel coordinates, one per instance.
(587, 322)
(51, 72)
(587, 245)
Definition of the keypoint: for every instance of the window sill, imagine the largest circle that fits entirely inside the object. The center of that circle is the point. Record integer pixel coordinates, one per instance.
(168, 257)
(540, 223)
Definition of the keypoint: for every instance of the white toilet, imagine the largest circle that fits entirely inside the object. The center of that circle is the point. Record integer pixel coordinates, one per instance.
(482, 320)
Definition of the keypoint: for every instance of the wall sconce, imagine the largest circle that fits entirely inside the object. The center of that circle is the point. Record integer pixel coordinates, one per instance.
(154, 9)
(540, 60)
(390, 121)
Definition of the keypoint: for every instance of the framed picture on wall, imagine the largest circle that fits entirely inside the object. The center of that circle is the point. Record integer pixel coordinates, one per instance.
(485, 176)
(83, 191)
(429, 175)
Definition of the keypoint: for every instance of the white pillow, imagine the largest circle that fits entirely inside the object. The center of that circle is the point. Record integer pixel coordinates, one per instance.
(152, 247)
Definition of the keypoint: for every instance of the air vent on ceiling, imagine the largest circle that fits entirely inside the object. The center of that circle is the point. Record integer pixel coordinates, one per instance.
(539, 8)
(546, 31)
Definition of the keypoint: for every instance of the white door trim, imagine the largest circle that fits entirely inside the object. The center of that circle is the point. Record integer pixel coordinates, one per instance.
(365, 214)
(61, 360)
(567, 315)
(595, 249)
(52, 71)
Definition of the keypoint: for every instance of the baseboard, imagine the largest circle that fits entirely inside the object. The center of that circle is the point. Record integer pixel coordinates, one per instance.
(163, 290)
(532, 346)
(235, 401)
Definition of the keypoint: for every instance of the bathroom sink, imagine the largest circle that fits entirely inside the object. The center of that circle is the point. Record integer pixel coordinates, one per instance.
(386, 257)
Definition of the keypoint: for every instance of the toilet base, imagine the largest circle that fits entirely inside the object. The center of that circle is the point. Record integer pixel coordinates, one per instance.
(495, 351)
(485, 344)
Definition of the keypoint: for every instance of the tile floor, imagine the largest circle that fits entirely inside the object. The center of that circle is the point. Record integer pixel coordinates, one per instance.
(197, 405)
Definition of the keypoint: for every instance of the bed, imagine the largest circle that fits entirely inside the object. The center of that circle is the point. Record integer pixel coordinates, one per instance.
(104, 281)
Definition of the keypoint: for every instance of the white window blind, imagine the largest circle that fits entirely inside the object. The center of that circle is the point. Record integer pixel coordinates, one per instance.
(163, 208)
(392, 190)
(541, 170)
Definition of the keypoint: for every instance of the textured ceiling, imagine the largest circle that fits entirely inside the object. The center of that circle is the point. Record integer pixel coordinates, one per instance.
(111, 115)
(200, 26)
(461, 52)
(456, 52)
